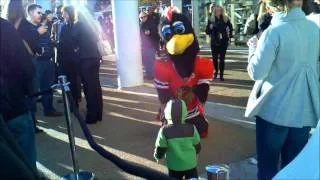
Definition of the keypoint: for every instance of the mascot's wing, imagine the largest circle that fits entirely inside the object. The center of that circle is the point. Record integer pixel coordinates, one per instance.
(166, 80)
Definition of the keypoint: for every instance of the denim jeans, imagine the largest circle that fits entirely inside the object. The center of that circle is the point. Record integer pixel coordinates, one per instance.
(22, 128)
(275, 141)
(14, 164)
(45, 79)
(148, 57)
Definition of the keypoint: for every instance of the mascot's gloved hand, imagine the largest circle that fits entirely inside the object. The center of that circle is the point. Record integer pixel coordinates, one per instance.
(192, 80)
(186, 93)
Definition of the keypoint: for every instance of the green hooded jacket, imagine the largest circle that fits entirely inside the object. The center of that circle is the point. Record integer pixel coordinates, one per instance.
(178, 141)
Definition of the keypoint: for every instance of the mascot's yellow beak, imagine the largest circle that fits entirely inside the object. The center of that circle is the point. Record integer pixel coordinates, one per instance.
(179, 43)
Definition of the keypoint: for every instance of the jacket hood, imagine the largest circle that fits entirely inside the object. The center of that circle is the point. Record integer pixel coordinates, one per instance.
(293, 14)
(176, 112)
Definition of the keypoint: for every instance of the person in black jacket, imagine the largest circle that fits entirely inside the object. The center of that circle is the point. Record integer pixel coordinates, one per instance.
(88, 65)
(30, 34)
(45, 64)
(16, 76)
(48, 19)
(265, 16)
(265, 22)
(68, 58)
(220, 30)
(154, 17)
(149, 42)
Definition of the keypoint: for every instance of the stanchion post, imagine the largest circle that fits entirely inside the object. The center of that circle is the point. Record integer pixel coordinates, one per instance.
(65, 89)
(76, 175)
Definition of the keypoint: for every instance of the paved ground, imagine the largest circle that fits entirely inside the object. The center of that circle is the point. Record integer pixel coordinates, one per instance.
(129, 128)
(227, 100)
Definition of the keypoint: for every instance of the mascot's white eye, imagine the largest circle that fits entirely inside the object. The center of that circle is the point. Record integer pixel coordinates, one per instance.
(166, 32)
(178, 27)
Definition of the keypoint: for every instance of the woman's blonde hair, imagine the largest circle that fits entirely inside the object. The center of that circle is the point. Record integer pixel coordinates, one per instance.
(262, 10)
(223, 14)
(265, 5)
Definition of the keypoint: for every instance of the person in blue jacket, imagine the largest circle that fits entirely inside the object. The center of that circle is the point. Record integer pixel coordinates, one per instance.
(285, 99)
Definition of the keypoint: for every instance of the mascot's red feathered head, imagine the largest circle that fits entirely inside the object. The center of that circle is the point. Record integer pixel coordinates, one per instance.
(181, 43)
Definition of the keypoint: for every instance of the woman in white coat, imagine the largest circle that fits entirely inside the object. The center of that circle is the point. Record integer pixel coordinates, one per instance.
(285, 99)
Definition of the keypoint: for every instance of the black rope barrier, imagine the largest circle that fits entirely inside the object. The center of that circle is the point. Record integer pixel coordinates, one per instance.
(126, 166)
(37, 94)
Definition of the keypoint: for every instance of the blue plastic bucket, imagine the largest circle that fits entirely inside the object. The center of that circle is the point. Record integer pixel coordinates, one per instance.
(217, 172)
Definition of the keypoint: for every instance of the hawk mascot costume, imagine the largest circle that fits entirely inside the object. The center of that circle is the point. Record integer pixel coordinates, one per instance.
(182, 74)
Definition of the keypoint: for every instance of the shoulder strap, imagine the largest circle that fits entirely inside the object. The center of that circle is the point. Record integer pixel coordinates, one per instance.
(17, 24)
(26, 45)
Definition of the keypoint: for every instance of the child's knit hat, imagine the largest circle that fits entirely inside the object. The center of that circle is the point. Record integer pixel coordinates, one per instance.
(176, 111)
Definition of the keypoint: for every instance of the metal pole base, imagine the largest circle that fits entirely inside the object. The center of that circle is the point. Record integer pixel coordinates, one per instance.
(83, 175)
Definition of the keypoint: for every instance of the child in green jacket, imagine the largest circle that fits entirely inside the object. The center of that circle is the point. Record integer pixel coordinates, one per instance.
(178, 141)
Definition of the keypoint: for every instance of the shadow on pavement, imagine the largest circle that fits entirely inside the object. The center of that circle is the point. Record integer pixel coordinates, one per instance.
(228, 100)
(129, 130)
(54, 155)
(229, 85)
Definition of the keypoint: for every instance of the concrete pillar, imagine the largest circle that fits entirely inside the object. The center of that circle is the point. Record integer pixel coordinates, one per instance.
(45, 4)
(177, 3)
(127, 42)
(195, 16)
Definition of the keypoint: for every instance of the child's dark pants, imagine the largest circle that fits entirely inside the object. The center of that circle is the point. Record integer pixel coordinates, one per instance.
(188, 174)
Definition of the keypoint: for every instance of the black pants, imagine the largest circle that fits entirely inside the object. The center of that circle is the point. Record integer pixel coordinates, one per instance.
(71, 70)
(88, 70)
(188, 174)
(219, 52)
(89, 73)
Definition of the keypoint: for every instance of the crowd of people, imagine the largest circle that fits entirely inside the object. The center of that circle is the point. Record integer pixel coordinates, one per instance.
(37, 46)
(150, 39)
(35, 49)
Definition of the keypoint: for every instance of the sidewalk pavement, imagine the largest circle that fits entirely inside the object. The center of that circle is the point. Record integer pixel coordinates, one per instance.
(227, 100)
(129, 127)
